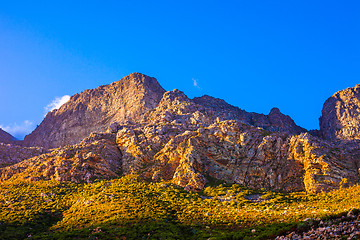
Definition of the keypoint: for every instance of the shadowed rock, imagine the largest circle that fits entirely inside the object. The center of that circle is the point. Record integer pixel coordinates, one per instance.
(6, 137)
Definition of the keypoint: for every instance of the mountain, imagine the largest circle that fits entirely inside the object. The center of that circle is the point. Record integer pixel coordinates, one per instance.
(134, 126)
(94, 110)
(6, 137)
(127, 101)
(340, 118)
(142, 143)
(275, 121)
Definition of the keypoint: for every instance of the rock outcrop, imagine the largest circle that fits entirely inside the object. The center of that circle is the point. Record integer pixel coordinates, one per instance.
(94, 110)
(182, 144)
(340, 118)
(95, 157)
(128, 100)
(190, 142)
(134, 127)
(275, 121)
(11, 154)
(227, 150)
(6, 137)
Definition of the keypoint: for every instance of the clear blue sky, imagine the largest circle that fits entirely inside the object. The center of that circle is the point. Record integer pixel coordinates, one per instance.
(254, 54)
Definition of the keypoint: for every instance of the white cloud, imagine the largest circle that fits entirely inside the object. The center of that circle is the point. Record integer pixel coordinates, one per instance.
(19, 130)
(196, 83)
(57, 103)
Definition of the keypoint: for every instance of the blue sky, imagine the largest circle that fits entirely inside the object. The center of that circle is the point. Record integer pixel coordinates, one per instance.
(254, 54)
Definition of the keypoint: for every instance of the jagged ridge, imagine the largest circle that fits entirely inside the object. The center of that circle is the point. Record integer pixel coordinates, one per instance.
(169, 136)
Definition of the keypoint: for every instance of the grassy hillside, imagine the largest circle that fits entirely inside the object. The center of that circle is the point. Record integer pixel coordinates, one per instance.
(127, 208)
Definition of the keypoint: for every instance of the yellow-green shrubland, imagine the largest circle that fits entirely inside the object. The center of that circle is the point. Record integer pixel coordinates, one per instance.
(127, 208)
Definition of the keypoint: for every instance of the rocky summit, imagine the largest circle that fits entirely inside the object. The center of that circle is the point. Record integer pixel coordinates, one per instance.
(134, 126)
(340, 118)
(94, 110)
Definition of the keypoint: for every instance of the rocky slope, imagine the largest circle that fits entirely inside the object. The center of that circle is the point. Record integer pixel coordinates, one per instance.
(95, 157)
(275, 121)
(6, 137)
(344, 227)
(186, 143)
(141, 129)
(189, 143)
(94, 110)
(127, 101)
(11, 154)
(226, 150)
(341, 115)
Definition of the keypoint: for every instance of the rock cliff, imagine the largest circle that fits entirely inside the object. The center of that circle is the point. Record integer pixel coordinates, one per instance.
(94, 110)
(95, 157)
(227, 150)
(6, 137)
(340, 118)
(128, 100)
(187, 143)
(275, 121)
(134, 127)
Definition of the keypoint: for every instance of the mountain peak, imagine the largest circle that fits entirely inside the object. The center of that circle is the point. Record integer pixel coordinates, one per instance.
(95, 109)
(275, 110)
(283, 123)
(175, 94)
(340, 118)
(139, 78)
(134, 126)
(129, 99)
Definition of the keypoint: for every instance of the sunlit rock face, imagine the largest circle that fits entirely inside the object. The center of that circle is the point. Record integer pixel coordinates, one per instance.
(134, 127)
(186, 150)
(128, 100)
(341, 115)
(95, 157)
(236, 153)
(94, 110)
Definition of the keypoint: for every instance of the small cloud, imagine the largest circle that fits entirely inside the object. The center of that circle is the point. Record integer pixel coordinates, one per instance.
(195, 83)
(19, 130)
(57, 103)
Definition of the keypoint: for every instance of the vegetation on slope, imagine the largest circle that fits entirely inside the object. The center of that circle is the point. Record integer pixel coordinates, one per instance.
(127, 208)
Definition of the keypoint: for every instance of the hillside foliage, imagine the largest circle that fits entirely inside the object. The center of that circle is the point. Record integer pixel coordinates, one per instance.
(127, 208)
